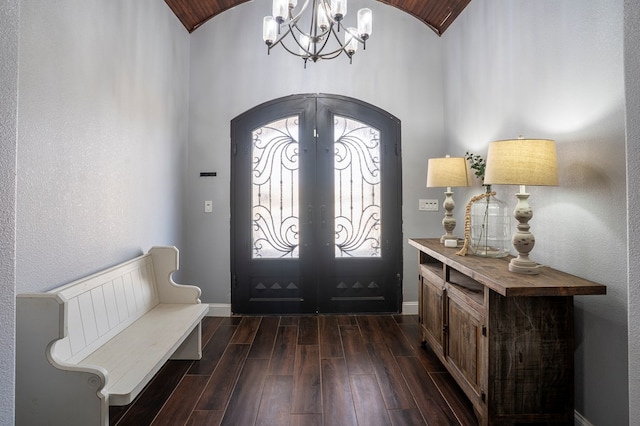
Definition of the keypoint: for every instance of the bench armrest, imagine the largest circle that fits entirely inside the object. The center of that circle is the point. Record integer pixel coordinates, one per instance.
(45, 385)
(165, 263)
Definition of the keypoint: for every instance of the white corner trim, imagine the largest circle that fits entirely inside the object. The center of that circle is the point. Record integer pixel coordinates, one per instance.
(410, 308)
(219, 310)
(579, 419)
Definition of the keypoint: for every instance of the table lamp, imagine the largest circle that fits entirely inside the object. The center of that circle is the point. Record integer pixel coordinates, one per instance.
(448, 172)
(522, 162)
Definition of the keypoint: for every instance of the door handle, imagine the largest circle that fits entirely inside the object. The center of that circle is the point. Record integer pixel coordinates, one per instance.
(310, 215)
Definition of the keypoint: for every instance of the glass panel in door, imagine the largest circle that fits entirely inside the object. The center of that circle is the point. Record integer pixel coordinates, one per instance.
(357, 189)
(274, 186)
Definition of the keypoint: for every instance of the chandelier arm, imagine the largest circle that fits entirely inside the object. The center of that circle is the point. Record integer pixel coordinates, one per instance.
(327, 6)
(329, 55)
(296, 40)
(282, 36)
(314, 34)
(332, 22)
(355, 35)
(297, 17)
(291, 24)
(333, 54)
(311, 34)
(343, 46)
(284, 46)
(317, 54)
(324, 44)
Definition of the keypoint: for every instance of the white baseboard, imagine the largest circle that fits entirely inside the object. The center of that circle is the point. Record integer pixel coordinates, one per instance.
(219, 310)
(410, 308)
(224, 309)
(579, 419)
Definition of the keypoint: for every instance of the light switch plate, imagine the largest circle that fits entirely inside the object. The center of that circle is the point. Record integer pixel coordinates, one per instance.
(208, 206)
(428, 205)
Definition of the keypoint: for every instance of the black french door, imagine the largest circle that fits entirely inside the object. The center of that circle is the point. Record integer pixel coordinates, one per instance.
(316, 207)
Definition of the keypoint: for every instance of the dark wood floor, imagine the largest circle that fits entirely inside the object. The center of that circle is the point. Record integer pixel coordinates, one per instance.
(303, 370)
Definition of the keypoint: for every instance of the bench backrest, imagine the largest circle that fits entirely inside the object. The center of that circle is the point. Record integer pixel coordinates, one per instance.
(99, 306)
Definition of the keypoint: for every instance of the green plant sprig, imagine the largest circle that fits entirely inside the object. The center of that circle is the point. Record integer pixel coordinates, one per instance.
(477, 164)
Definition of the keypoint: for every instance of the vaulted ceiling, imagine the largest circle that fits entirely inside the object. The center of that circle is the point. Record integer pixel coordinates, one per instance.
(437, 14)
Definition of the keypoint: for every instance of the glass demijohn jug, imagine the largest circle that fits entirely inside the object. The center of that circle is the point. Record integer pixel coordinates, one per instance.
(490, 227)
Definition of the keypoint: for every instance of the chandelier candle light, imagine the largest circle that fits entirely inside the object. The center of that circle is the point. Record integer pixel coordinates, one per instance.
(325, 23)
(448, 172)
(522, 162)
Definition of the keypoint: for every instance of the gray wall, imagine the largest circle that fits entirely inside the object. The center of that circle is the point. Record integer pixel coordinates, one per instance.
(102, 135)
(9, 23)
(400, 72)
(554, 69)
(632, 79)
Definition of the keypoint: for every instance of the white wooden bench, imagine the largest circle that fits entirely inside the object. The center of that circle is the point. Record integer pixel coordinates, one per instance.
(99, 340)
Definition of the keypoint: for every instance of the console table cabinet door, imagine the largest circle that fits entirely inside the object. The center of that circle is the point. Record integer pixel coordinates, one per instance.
(465, 346)
(432, 312)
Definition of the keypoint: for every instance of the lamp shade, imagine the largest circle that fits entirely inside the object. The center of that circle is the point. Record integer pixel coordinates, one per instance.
(522, 162)
(448, 171)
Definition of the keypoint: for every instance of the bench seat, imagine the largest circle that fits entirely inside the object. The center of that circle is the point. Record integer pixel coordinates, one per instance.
(138, 352)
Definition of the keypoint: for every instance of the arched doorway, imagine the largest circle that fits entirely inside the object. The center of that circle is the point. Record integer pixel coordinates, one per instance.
(316, 207)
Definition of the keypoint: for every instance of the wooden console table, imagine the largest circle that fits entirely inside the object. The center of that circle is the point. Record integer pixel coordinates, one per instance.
(506, 338)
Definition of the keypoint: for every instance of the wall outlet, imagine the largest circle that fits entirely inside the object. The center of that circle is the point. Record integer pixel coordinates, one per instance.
(428, 205)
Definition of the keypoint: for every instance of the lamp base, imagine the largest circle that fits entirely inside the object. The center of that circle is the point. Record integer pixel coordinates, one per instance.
(523, 240)
(521, 266)
(448, 222)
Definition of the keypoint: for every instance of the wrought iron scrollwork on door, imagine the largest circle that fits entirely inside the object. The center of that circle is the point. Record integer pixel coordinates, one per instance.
(275, 165)
(358, 187)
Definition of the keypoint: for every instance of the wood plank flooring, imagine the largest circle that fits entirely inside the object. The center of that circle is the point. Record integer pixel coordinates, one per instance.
(303, 370)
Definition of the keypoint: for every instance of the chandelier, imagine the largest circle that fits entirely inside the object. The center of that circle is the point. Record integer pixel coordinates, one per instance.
(322, 40)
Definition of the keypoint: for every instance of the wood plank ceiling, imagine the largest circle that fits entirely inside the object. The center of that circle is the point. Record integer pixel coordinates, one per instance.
(437, 14)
